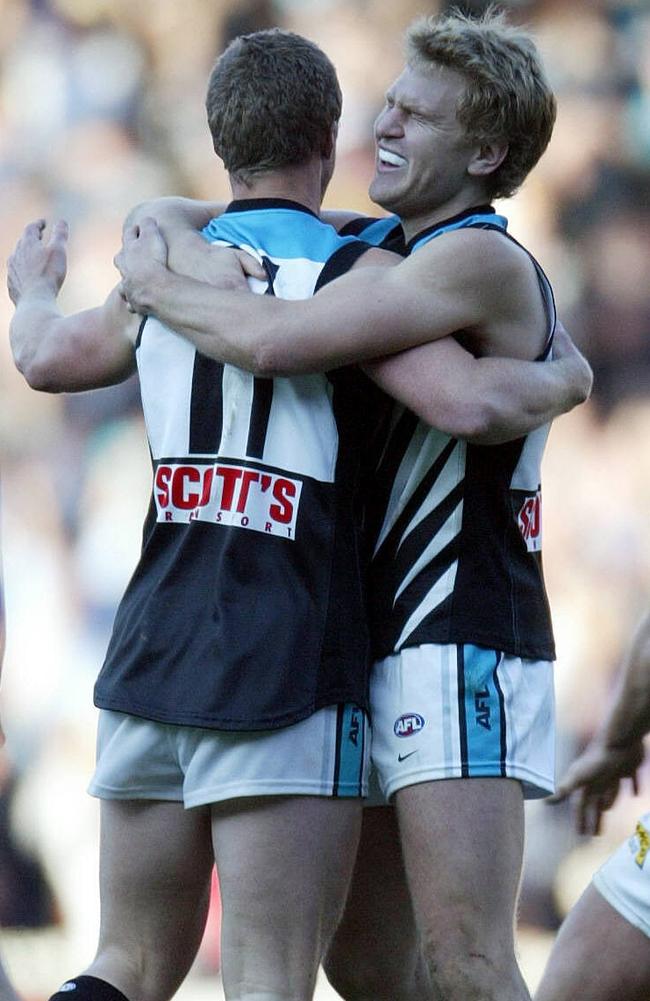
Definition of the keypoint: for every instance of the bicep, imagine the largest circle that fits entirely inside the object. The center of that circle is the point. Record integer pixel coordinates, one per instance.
(377, 311)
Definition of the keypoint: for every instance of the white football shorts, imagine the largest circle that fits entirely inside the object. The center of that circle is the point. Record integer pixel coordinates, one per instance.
(624, 879)
(326, 754)
(462, 711)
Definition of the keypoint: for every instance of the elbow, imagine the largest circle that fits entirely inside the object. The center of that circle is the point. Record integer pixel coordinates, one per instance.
(473, 421)
(37, 374)
(482, 426)
(40, 378)
(271, 356)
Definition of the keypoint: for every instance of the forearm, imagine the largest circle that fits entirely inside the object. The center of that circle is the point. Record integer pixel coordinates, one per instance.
(482, 400)
(69, 354)
(33, 334)
(519, 396)
(175, 212)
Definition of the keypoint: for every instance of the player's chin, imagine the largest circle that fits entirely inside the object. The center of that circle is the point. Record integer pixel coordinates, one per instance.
(384, 191)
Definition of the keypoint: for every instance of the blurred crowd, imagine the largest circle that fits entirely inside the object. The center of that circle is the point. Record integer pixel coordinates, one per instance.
(101, 106)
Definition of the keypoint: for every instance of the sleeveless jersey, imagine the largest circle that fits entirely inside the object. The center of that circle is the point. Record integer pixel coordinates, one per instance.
(456, 527)
(246, 608)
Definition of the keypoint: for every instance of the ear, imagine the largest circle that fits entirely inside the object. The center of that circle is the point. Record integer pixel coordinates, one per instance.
(487, 159)
(329, 146)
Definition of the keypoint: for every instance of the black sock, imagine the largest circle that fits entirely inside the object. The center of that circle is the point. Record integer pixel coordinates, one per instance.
(87, 989)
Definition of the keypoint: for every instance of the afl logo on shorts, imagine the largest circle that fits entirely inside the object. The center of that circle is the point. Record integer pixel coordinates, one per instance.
(408, 724)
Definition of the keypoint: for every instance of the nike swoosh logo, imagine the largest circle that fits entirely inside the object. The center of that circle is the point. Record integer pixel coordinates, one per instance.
(403, 757)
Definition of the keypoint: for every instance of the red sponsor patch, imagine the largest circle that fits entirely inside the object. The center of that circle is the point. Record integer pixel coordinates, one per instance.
(529, 520)
(226, 494)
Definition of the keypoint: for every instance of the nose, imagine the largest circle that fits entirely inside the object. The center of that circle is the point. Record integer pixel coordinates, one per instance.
(389, 123)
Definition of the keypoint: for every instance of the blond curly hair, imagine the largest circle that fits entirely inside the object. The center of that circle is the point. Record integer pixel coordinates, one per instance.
(507, 98)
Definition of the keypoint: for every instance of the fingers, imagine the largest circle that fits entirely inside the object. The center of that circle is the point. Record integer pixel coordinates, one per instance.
(59, 234)
(34, 230)
(250, 265)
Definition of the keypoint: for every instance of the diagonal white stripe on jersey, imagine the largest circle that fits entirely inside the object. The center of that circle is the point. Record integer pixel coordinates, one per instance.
(424, 448)
(450, 476)
(449, 531)
(166, 401)
(303, 402)
(441, 590)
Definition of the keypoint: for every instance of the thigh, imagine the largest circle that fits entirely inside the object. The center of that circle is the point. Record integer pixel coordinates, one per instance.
(284, 869)
(598, 956)
(375, 952)
(463, 844)
(155, 868)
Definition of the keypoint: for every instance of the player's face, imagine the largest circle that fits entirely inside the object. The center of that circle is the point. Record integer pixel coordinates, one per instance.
(422, 152)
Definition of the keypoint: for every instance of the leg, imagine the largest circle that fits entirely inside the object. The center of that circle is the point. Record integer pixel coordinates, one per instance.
(463, 841)
(375, 954)
(155, 867)
(598, 956)
(285, 864)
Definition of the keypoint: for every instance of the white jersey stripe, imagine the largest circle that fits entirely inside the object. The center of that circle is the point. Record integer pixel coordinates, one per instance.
(303, 402)
(423, 450)
(441, 590)
(166, 402)
(237, 402)
(447, 533)
(450, 476)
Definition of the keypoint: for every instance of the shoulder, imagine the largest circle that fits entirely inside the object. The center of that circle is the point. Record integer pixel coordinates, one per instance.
(340, 218)
(376, 258)
(486, 256)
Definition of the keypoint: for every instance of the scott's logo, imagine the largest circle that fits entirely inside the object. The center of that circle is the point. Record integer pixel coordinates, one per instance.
(408, 724)
(529, 520)
(225, 494)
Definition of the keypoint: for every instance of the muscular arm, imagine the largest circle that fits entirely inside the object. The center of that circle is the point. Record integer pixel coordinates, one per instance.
(616, 751)
(484, 400)
(58, 353)
(180, 221)
(456, 283)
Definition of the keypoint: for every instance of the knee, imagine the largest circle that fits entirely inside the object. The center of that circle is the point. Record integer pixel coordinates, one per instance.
(359, 978)
(461, 966)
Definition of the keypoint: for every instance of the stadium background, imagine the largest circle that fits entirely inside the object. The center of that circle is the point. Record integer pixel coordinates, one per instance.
(101, 106)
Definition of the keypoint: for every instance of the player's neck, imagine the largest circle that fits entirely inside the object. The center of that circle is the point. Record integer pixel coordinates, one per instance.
(415, 223)
(297, 184)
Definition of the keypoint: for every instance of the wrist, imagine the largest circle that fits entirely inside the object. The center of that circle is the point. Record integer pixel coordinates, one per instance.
(37, 294)
(145, 290)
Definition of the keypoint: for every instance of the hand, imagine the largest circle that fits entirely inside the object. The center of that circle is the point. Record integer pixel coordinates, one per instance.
(222, 267)
(578, 370)
(35, 266)
(140, 261)
(228, 268)
(597, 775)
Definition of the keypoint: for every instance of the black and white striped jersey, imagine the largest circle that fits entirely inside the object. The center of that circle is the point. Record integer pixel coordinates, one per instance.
(246, 609)
(455, 527)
